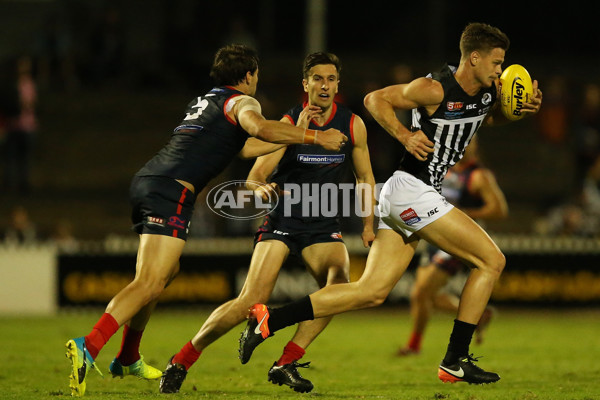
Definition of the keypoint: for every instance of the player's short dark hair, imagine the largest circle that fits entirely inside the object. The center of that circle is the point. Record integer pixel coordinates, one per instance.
(320, 58)
(231, 64)
(482, 37)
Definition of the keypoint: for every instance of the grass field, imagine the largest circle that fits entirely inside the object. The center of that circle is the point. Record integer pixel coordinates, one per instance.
(540, 354)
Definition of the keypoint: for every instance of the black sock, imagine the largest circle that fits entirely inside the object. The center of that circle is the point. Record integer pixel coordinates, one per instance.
(460, 339)
(290, 314)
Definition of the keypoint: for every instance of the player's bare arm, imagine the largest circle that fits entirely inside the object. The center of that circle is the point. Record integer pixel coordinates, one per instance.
(255, 147)
(258, 178)
(483, 184)
(382, 103)
(247, 113)
(361, 163)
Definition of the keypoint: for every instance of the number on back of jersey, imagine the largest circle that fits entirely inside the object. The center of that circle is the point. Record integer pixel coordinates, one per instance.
(201, 105)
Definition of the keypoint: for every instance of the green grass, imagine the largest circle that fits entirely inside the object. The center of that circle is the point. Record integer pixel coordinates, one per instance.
(540, 354)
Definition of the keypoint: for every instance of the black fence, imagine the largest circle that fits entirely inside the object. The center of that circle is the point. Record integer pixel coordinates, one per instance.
(538, 272)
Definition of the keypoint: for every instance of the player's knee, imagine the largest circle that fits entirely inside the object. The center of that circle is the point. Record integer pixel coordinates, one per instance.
(375, 298)
(369, 292)
(499, 263)
(495, 264)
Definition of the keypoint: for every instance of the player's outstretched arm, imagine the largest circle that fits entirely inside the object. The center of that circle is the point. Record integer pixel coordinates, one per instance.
(255, 147)
(247, 113)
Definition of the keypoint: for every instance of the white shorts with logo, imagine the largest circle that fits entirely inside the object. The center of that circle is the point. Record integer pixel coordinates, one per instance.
(407, 204)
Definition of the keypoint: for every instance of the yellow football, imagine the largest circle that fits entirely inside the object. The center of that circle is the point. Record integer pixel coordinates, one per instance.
(517, 89)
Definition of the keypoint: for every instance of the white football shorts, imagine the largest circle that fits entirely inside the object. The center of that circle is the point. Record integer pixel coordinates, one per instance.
(407, 204)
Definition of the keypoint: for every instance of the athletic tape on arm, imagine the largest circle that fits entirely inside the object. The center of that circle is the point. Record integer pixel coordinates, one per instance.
(245, 103)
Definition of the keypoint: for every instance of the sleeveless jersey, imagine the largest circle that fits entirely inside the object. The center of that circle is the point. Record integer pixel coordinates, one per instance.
(451, 127)
(203, 144)
(455, 187)
(311, 166)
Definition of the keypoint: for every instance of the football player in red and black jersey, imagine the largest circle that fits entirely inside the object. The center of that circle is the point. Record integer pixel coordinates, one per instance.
(314, 236)
(214, 130)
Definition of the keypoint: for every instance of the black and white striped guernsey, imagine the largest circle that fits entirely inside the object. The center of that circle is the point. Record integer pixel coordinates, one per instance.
(451, 127)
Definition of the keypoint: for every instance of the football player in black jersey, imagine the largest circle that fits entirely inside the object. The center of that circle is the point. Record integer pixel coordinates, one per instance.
(315, 238)
(472, 188)
(214, 130)
(448, 108)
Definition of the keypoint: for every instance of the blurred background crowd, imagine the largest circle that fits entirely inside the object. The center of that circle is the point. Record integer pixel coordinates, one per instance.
(89, 90)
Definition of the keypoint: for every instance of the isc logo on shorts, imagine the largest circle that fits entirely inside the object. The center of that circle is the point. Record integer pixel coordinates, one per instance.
(409, 217)
(336, 235)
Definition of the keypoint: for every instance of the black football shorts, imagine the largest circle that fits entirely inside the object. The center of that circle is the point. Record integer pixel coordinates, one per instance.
(298, 235)
(161, 206)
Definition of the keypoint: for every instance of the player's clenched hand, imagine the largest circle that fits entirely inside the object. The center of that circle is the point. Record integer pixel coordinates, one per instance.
(308, 113)
(367, 236)
(331, 139)
(533, 106)
(417, 144)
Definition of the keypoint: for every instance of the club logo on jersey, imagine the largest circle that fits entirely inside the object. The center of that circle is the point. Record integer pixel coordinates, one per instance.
(454, 105)
(486, 99)
(336, 235)
(321, 158)
(410, 217)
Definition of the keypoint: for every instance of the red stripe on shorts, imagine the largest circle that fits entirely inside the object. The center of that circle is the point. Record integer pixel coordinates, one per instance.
(181, 200)
(180, 206)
